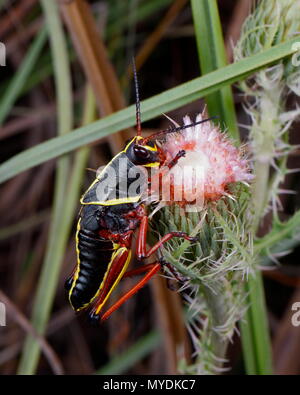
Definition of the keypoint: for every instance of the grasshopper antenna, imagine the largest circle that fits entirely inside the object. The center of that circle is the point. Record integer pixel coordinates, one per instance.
(176, 129)
(137, 100)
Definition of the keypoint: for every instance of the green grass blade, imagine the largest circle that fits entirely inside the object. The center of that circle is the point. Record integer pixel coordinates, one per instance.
(18, 81)
(255, 330)
(135, 353)
(24, 224)
(58, 230)
(212, 56)
(164, 102)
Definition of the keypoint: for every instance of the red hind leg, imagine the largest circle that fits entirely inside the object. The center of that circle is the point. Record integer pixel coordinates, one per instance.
(115, 273)
(139, 270)
(150, 269)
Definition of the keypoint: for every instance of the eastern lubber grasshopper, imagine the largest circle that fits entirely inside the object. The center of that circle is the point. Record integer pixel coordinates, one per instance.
(108, 221)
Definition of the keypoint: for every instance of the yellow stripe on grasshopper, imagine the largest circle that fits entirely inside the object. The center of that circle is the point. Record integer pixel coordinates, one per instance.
(113, 202)
(76, 274)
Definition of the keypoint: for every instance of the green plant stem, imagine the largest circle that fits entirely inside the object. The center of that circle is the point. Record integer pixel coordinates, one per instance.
(218, 314)
(18, 81)
(257, 350)
(58, 231)
(212, 56)
(247, 341)
(258, 360)
(164, 102)
(255, 331)
(260, 191)
(264, 150)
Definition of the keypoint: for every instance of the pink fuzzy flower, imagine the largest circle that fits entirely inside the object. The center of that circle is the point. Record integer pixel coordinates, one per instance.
(211, 162)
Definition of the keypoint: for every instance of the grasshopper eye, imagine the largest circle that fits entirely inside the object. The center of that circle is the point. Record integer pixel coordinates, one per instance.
(141, 152)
